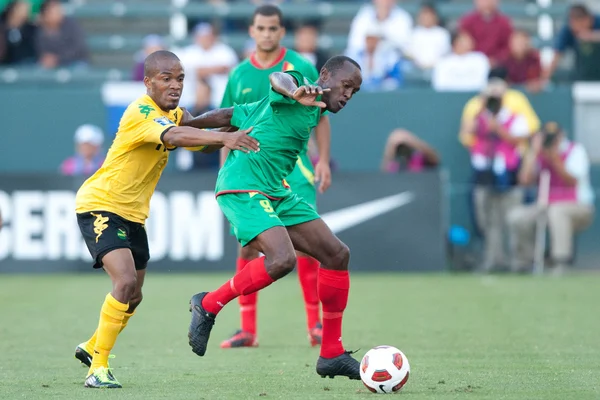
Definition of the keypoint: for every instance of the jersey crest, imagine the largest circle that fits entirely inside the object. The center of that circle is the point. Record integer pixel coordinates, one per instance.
(287, 66)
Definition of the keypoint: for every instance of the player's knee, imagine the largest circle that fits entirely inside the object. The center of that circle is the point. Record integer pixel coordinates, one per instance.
(282, 264)
(341, 258)
(125, 287)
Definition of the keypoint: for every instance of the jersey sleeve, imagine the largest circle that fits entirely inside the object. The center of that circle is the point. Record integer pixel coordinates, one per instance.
(147, 123)
(278, 98)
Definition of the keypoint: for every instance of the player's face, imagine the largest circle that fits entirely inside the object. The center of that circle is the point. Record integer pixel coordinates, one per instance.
(166, 85)
(267, 32)
(344, 83)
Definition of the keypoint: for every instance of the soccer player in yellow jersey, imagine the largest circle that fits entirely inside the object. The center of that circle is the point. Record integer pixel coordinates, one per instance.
(112, 205)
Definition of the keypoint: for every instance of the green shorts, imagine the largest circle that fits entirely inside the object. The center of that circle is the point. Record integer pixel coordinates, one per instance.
(251, 213)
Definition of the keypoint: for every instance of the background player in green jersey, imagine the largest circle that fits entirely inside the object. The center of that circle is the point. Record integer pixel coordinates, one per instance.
(248, 83)
(269, 217)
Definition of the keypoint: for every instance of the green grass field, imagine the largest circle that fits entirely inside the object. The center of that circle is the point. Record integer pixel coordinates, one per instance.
(466, 337)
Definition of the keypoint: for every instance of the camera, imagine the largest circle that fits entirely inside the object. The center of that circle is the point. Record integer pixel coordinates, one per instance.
(493, 104)
(403, 155)
(550, 133)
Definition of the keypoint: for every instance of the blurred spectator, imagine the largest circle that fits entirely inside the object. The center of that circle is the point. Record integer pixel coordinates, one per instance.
(523, 65)
(306, 43)
(17, 34)
(88, 156)
(207, 60)
(429, 42)
(582, 30)
(493, 138)
(151, 44)
(570, 198)
(380, 63)
(60, 40)
(395, 23)
(489, 28)
(515, 101)
(405, 152)
(463, 70)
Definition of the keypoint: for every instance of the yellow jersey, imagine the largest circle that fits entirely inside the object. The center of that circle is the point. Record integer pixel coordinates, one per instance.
(134, 163)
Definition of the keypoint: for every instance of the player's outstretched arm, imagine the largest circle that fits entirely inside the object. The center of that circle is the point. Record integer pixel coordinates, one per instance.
(287, 85)
(217, 118)
(186, 136)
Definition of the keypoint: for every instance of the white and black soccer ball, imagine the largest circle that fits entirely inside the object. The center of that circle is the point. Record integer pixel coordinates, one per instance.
(384, 369)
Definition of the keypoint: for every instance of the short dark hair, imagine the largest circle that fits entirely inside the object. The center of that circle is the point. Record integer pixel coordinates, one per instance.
(336, 63)
(579, 11)
(268, 10)
(151, 62)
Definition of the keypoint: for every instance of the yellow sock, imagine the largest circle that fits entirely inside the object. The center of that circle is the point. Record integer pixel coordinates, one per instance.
(111, 320)
(89, 345)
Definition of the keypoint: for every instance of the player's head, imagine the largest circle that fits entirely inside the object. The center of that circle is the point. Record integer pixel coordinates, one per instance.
(163, 77)
(342, 75)
(267, 27)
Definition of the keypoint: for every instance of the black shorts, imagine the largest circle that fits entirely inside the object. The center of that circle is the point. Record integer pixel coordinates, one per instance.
(104, 232)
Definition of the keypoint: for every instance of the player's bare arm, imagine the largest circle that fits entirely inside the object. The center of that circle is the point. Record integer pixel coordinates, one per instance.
(322, 169)
(286, 85)
(218, 118)
(186, 136)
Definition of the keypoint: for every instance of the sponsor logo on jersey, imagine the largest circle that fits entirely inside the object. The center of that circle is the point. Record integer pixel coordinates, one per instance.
(145, 109)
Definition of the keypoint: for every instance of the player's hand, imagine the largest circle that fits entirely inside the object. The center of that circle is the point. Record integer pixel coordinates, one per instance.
(240, 140)
(323, 175)
(307, 95)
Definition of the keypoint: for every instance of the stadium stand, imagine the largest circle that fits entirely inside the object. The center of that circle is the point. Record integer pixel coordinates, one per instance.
(115, 30)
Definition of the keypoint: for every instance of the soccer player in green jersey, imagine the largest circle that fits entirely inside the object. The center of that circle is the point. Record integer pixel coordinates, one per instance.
(248, 83)
(269, 217)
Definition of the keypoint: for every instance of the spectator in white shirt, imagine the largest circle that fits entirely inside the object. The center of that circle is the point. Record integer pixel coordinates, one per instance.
(208, 60)
(570, 198)
(379, 62)
(395, 23)
(429, 42)
(464, 70)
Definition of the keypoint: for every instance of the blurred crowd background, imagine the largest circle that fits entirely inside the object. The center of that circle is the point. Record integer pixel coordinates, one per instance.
(510, 59)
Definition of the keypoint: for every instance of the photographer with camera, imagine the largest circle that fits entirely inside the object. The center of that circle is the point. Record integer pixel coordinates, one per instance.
(570, 202)
(493, 137)
(405, 152)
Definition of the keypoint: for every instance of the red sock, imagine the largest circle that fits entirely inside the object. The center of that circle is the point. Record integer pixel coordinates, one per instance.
(307, 274)
(247, 303)
(333, 293)
(249, 280)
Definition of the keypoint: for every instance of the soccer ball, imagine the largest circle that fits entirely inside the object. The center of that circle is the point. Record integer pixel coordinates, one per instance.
(384, 369)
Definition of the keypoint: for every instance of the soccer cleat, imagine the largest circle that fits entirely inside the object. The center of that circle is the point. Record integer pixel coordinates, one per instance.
(201, 325)
(342, 365)
(82, 355)
(240, 339)
(86, 358)
(102, 378)
(315, 335)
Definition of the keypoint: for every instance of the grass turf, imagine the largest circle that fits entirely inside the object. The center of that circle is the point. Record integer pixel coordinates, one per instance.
(465, 337)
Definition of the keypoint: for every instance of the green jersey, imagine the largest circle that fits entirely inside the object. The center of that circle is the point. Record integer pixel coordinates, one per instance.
(283, 127)
(249, 82)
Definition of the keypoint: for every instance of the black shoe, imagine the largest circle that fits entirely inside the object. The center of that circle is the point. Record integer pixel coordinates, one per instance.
(201, 325)
(342, 365)
(83, 356)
